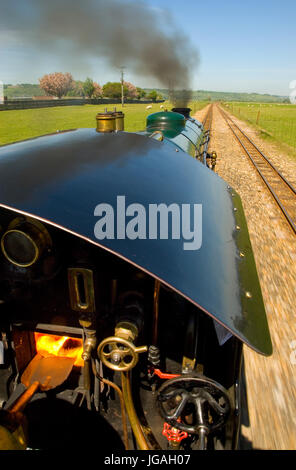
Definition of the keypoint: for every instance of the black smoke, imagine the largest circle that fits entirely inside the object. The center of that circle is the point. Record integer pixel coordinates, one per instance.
(123, 32)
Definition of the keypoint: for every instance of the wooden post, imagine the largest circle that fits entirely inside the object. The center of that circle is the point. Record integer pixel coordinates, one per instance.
(258, 116)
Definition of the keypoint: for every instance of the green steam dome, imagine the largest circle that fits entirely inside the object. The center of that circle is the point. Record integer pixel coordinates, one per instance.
(166, 121)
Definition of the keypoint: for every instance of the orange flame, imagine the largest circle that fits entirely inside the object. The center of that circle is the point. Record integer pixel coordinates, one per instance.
(62, 346)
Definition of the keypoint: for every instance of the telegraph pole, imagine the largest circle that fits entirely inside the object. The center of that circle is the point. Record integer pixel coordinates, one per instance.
(122, 95)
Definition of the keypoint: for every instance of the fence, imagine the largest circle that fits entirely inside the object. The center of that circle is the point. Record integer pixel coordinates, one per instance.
(30, 104)
(273, 120)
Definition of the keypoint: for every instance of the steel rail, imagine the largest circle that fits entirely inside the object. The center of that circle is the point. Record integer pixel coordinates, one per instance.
(265, 163)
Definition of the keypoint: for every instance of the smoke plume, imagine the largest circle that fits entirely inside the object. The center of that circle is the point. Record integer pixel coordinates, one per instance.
(124, 32)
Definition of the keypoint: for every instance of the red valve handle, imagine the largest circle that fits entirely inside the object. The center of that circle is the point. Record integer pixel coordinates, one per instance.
(173, 434)
(163, 375)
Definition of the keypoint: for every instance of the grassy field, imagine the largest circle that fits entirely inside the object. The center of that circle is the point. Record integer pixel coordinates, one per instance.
(275, 121)
(26, 123)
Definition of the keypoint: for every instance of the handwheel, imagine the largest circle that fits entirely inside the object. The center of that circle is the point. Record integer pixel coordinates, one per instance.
(119, 354)
(194, 404)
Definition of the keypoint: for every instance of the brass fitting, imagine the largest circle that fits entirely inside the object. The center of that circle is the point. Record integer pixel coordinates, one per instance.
(24, 231)
(106, 122)
(126, 330)
(123, 355)
(213, 160)
(89, 345)
(188, 364)
(119, 120)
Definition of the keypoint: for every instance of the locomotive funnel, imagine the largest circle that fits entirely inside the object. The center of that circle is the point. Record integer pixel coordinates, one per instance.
(184, 111)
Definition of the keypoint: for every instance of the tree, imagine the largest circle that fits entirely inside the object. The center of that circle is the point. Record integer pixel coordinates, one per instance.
(56, 84)
(140, 93)
(98, 90)
(152, 95)
(88, 87)
(77, 89)
(131, 90)
(113, 90)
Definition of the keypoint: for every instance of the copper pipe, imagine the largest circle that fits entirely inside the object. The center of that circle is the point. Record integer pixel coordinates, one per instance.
(155, 312)
(133, 418)
(121, 399)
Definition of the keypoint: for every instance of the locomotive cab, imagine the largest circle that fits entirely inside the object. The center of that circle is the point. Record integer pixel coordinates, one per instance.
(128, 257)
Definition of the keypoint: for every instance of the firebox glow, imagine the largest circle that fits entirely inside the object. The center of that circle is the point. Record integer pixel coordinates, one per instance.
(62, 346)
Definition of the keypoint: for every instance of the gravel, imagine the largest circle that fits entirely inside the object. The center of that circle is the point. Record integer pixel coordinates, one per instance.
(271, 381)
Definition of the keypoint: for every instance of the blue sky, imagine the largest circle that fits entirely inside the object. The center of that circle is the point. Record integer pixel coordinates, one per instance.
(243, 46)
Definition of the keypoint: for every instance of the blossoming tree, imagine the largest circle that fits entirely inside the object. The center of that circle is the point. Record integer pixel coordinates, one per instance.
(56, 84)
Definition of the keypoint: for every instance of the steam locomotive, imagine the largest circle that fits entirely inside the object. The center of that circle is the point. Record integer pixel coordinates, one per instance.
(128, 283)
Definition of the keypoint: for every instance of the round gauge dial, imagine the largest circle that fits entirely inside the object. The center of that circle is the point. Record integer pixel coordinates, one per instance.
(24, 242)
(19, 248)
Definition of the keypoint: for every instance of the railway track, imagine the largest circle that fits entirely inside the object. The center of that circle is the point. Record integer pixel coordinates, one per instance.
(282, 191)
(207, 122)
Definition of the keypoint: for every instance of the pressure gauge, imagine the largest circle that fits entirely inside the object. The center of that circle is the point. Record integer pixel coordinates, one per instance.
(24, 242)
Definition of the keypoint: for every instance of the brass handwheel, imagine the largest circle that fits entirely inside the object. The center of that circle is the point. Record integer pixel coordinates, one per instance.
(119, 354)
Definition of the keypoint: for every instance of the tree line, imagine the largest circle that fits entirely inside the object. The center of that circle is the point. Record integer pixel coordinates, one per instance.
(60, 84)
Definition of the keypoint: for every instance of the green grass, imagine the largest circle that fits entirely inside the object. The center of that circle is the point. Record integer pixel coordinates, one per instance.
(27, 123)
(276, 122)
